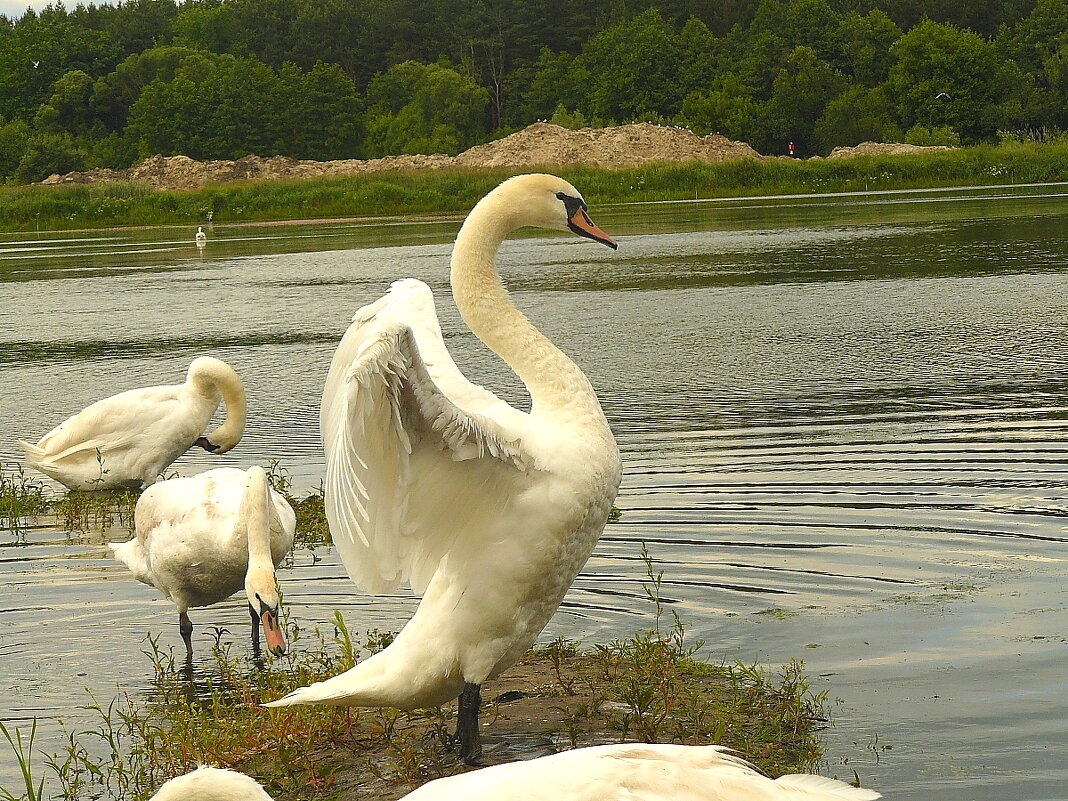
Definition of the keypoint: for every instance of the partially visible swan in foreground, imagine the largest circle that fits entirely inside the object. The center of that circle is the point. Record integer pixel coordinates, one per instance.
(628, 772)
(488, 511)
(201, 237)
(128, 439)
(200, 539)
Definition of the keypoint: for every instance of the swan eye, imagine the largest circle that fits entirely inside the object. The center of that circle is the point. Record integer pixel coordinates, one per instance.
(571, 204)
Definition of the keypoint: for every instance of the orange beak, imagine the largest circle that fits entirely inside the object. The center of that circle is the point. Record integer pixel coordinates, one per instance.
(582, 225)
(276, 641)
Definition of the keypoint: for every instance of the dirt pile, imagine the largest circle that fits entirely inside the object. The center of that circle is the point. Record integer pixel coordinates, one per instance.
(882, 149)
(542, 144)
(623, 146)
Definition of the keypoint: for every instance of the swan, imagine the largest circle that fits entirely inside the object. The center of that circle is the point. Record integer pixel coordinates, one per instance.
(201, 237)
(627, 772)
(488, 511)
(201, 539)
(127, 439)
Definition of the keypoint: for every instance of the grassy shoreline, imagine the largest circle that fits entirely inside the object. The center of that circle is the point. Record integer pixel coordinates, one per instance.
(652, 687)
(453, 191)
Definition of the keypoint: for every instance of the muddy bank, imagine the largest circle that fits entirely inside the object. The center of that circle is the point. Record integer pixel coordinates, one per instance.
(540, 145)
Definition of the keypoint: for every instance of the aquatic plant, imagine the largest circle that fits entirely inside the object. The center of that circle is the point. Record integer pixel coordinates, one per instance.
(23, 754)
(20, 499)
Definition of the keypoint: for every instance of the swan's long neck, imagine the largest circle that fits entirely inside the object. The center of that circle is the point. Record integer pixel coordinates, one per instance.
(255, 515)
(555, 383)
(211, 378)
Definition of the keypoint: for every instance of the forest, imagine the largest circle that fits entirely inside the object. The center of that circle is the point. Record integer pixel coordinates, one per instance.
(108, 85)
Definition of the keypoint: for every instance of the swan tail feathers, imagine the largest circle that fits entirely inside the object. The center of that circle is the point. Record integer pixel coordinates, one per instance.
(133, 556)
(811, 786)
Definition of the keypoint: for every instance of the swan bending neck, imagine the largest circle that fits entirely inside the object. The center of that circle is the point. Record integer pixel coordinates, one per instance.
(552, 379)
(212, 378)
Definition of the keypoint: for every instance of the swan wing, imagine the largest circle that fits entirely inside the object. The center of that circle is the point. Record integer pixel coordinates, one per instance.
(111, 423)
(393, 392)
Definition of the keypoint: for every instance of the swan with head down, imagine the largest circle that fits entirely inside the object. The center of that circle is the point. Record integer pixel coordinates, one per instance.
(487, 510)
(200, 539)
(128, 439)
(625, 772)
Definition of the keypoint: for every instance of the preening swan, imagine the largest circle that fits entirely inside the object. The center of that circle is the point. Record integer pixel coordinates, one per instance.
(128, 439)
(628, 772)
(201, 237)
(488, 511)
(201, 539)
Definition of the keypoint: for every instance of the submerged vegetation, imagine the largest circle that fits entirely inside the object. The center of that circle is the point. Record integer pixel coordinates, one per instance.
(652, 687)
(453, 191)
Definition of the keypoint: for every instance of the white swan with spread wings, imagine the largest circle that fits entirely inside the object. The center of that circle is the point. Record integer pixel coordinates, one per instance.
(488, 511)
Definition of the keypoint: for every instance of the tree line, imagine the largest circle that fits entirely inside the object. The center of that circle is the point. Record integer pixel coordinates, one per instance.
(105, 86)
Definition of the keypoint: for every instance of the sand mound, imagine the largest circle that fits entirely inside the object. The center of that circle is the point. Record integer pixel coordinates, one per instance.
(539, 145)
(881, 149)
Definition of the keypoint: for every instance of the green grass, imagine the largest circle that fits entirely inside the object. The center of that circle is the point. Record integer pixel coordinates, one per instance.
(454, 191)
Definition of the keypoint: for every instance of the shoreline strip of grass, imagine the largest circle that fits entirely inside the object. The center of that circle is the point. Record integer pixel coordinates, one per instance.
(454, 191)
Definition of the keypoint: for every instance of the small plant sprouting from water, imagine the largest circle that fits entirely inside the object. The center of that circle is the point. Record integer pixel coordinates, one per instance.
(23, 755)
(21, 498)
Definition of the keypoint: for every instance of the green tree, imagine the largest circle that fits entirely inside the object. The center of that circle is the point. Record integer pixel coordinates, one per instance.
(38, 50)
(802, 89)
(319, 113)
(863, 46)
(943, 75)
(423, 108)
(68, 108)
(727, 108)
(48, 153)
(209, 27)
(857, 115)
(14, 137)
(633, 69)
(116, 92)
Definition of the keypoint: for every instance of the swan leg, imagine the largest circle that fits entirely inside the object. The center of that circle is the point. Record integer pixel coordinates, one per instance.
(185, 626)
(467, 724)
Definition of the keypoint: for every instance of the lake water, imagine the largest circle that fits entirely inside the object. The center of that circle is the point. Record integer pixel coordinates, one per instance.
(844, 423)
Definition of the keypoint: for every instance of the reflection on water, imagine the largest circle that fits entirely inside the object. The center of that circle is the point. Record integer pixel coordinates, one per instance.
(849, 411)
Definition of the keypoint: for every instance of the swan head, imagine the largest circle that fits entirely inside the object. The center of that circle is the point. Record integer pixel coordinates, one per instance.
(211, 784)
(261, 584)
(262, 594)
(546, 201)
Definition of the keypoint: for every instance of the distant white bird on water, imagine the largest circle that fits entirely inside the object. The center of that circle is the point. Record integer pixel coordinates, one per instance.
(201, 237)
(488, 511)
(127, 439)
(628, 772)
(200, 539)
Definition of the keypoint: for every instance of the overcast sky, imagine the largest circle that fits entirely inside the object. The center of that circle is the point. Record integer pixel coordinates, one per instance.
(12, 9)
